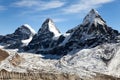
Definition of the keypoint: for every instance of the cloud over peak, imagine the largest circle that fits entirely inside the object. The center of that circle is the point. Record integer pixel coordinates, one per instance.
(83, 5)
(39, 4)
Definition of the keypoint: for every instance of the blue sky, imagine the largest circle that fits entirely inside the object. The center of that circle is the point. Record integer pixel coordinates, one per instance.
(65, 13)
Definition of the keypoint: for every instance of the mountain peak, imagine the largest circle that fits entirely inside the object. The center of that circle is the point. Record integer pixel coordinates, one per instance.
(29, 28)
(48, 20)
(25, 29)
(48, 25)
(93, 17)
(93, 11)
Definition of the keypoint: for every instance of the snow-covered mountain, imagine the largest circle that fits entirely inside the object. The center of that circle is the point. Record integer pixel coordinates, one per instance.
(49, 26)
(21, 37)
(89, 49)
(46, 38)
(85, 63)
(92, 32)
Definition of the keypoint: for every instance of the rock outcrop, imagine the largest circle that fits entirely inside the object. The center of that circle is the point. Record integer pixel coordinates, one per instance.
(46, 38)
(21, 37)
(3, 55)
(92, 32)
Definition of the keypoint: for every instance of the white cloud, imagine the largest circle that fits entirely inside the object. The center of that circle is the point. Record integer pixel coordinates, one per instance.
(26, 3)
(52, 4)
(84, 5)
(38, 5)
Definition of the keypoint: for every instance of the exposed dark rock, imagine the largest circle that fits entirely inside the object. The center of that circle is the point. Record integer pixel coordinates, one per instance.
(14, 40)
(44, 39)
(3, 55)
(92, 32)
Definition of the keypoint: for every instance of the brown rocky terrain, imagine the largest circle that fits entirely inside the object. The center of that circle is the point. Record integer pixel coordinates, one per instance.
(30, 75)
(16, 60)
(4, 75)
(3, 55)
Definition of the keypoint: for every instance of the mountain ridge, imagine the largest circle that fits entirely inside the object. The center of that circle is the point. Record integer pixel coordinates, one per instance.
(16, 39)
(91, 32)
(86, 35)
(86, 50)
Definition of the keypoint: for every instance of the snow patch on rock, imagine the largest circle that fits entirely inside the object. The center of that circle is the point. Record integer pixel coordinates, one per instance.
(30, 28)
(93, 17)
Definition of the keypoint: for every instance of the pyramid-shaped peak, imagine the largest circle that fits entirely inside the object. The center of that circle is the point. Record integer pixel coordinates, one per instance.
(26, 26)
(93, 11)
(49, 26)
(25, 29)
(48, 20)
(93, 17)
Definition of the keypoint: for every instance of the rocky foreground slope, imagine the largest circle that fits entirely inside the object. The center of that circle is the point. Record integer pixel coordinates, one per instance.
(84, 65)
(4, 75)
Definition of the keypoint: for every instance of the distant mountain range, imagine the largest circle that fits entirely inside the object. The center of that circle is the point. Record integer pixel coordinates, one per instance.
(92, 32)
(90, 48)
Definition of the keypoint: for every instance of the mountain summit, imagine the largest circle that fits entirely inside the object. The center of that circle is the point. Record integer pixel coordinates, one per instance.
(25, 29)
(90, 21)
(48, 25)
(90, 51)
(28, 28)
(92, 32)
(93, 17)
(21, 37)
(94, 22)
(46, 37)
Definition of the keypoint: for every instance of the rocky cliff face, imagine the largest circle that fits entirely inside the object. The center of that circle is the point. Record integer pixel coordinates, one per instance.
(90, 50)
(83, 65)
(92, 32)
(21, 37)
(3, 55)
(51, 76)
(46, 38)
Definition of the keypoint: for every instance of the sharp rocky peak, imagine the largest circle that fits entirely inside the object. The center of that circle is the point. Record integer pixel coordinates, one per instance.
(29, 27)
(93, 23)
(93, 17)
(48, 20)
(92, 32)
(25, 29)
(49, 26)
(20, 38)
(46, 37)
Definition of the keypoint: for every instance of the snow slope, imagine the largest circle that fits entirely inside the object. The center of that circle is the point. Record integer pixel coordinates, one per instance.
(89, 48)
(81, 62)
(49, 25)
(29, 27)
(53, 29)
(26, 41)
(93, 17)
